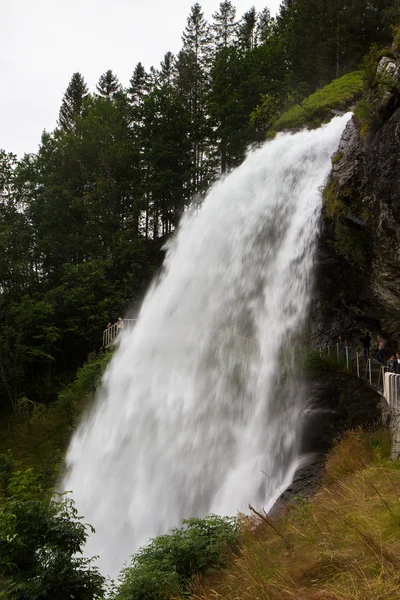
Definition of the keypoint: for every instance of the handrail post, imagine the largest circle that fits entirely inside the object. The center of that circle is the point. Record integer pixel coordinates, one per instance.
(358, 365)
(347, 358)
(337, 351)
(391, 390)
(370, 374)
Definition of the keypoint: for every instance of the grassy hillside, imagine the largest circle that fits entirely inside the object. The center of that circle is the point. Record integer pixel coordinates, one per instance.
(340, 94)
(344, 545)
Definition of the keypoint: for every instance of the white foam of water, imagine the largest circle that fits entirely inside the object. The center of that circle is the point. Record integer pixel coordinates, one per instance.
(192, 418)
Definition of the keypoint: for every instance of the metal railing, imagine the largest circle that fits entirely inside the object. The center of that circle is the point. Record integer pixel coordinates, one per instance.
(341, 354)
(377, 375)
(110, 335)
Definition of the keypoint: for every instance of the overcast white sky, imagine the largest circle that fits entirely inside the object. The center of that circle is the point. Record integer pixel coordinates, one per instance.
(42, 42)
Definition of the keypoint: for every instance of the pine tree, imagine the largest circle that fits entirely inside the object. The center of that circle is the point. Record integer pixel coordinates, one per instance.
(224, 25)
(167, 69)
(246, 31)
(196, 37)
(140, 85)
(108, 85)
(264, 26)
(193, 80)
(73, 102)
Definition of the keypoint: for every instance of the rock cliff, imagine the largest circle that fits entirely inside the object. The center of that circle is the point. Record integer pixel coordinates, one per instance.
(358, 271)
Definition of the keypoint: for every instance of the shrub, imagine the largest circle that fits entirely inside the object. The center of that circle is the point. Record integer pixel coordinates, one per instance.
(41, 537)
(379, 87)
(89, 376)
(314, 361)
(163, 569)
(334, 206)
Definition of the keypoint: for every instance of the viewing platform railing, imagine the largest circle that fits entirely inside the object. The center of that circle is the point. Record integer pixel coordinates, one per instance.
(377, 375)
(110, 335)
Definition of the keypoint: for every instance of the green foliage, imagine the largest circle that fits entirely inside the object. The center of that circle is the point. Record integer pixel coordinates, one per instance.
(337, 158)
(41, 537)
(379, 86)
(396, 40)
(315, 361)
(380, 440)
(38, 434)
(164, 568)
(317, 108)
(83, 220)
(74, 397)
(333, 205)
(353, 242)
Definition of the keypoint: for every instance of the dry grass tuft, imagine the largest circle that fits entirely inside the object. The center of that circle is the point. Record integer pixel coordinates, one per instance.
(351, 454)
(345, 545)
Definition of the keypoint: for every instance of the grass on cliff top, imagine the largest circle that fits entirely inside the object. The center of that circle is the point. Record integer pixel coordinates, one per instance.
(344, 545)
(316, 109)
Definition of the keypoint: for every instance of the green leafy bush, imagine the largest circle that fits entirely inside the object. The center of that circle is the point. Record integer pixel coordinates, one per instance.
(314, 361)
(374, 108)
(41, 537)
(163, 569)
(39, 434)
(89, 376)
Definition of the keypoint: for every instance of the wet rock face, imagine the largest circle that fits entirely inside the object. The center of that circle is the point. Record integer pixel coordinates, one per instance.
(337, 402)
(358, 270)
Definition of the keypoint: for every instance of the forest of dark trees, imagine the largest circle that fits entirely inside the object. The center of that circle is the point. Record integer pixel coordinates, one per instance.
(83, 221)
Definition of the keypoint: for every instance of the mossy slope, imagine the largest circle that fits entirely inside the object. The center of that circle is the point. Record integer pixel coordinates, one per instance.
(340, 94)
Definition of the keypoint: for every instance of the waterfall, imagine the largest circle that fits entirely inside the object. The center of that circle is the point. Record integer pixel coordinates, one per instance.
(198, 411)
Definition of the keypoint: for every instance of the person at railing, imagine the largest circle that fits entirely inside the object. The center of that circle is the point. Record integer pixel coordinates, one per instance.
(366, 343)
(381, 349)
(108, 325)
(392, 364)
(398, 362)
(120, 324)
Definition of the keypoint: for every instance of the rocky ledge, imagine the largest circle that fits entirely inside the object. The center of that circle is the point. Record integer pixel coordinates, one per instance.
(337, 402)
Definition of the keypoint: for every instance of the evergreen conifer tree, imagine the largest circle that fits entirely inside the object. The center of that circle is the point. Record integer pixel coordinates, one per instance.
(224, 25)
(73, 101)
(108, 85)
(246, 31)
(167, 69)
(264, 26)
(140, 85)
(193, 67)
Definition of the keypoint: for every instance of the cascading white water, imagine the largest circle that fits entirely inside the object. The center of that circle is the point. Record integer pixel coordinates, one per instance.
(193, 416)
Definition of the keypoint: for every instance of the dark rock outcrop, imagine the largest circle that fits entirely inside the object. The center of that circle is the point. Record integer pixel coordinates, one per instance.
(358, 271)
(337, 402)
